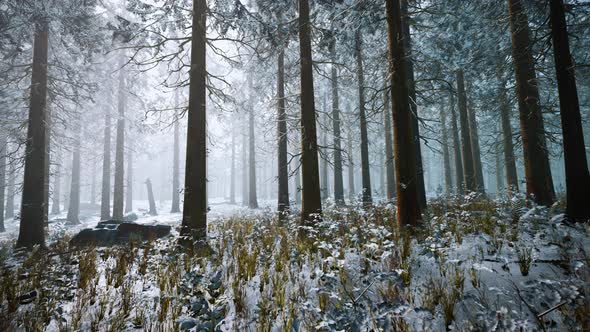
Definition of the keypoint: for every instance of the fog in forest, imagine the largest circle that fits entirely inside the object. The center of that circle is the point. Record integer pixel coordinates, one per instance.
(294, 165)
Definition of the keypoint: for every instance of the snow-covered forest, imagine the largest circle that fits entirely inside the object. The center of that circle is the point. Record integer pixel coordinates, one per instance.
(294, 165)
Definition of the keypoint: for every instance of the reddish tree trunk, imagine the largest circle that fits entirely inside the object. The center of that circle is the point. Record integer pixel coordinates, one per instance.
(539, 183)
(577, 178)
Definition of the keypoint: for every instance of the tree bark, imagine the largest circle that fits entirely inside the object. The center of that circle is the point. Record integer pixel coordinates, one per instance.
(390, 170)
(408, 207)
(365, 166)
(194, 218)
(445, 151)
(3, 152)
(324, 158)
(509, 159)
(477, 166)
(176, 159)
(11, 191)
(349, 148)
(409, 68)
(459, 180)
(129, 191)
(151, 199)
(244, 168)
(105, 199)
(46, 191)
(467, 151)
(252, 195)
(283, 167)
(74, 205)
(577, 178)
(338, 178)
(119, 191)
(232, 189)
(55, 206)
(31, 230)
(311, 203)
(539, 183)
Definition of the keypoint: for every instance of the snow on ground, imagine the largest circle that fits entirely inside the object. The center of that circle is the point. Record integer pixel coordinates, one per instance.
(476, 265)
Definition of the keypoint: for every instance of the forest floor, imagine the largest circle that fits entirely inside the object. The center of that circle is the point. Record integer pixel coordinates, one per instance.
(477, 264)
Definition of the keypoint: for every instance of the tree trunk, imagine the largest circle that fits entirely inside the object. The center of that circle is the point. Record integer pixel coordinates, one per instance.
(365, 166)
(46, 188)
(539, 183)
(577, 178)
(467, 152)
(105, 199)
(298, 184)
(499, 173)
(283, 167)
(55, 206)
(459, 180)
(311, 201)
(338, 179)
(408, 207)
(11, 191)
(194, 218)
(509, 159)
(31, 230)
(92, 184)
(152, 201)
(176, 159)
(477, 166)
(74, 206)
(244, 166)
(129, 192)
(409, 67)
(324, 158)
(252, 196)
(119, 192)
(349, 148)
(390, 170)
(232, 189)
(445, 151)
(3, 152)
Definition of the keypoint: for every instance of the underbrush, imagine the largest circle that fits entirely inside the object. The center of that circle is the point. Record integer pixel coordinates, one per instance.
(475, 264)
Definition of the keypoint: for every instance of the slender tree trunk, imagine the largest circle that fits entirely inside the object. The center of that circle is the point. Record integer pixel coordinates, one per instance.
(499, 173)
(252, 196)
(408, 207)
(388, 147)
(477, 166)
(3, 152)
(338, 179)
(459, 181)
(409, 67)
(92, 184)
(151, 199)
(244, 168)
(509, 159)
(324, 158)
(105, 199)
(55, 206)
(577, 178)
(232, 189)
(74, 206)
(194, 218)
(311, 201)
(349, 148)
(119, 192)
(298, 184)
(445, 151)
(129, 192)
(176, 159)
(11, 191)
(31, 230)
(46, 191)
(467, 151)
(283, 167)
(539, 183)
(365, 167)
